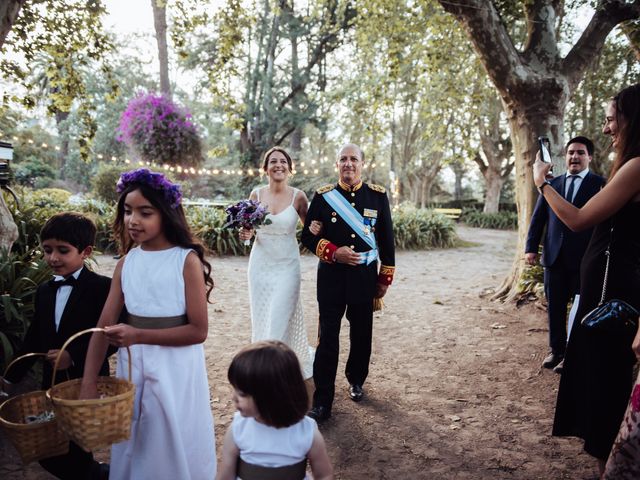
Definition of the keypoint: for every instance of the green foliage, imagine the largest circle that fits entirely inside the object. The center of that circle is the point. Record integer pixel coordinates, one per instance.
(208, 224)
(37, 206)
(503, 220)
(34, 173)
(104, 181)
(66, 38)
(532, 281)
(422, 229)
(20, 275)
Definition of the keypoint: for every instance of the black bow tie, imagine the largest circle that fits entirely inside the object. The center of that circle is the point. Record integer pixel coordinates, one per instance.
(56, 284)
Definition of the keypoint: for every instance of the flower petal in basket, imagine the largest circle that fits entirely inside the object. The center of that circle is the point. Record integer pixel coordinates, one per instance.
(94, 423)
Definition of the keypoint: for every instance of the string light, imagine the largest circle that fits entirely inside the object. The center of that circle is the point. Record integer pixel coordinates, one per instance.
(201, 171)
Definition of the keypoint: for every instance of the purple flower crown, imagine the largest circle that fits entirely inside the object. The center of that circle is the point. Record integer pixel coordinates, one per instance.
(157, 181)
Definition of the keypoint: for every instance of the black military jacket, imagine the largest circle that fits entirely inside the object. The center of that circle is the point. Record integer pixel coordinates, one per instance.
(345, 283)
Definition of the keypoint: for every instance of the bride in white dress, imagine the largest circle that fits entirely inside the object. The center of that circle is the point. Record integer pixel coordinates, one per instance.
(274, 264)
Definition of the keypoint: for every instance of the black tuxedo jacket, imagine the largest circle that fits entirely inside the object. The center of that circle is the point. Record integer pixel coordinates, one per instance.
(82, 311)
(558, 236)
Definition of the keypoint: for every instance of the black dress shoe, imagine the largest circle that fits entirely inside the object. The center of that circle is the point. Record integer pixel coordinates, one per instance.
(559, 367)
(552, 360)
(319, 413)
(355, 392)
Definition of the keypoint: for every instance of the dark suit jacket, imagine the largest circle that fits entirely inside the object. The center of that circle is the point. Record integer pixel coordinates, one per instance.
(558, 236)
(82, 311)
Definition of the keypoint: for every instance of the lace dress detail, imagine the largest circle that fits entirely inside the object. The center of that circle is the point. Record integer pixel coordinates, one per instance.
(274, 286)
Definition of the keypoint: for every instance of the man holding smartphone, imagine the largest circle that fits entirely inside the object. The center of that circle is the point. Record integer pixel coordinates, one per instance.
(562, 249)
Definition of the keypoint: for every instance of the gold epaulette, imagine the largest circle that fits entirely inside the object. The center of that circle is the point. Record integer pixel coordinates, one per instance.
(325, 189)
(377, 188)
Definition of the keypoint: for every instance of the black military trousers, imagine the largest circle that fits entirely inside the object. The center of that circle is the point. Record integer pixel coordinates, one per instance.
(325, 365)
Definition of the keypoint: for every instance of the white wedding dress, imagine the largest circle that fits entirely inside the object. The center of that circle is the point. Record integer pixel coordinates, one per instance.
(274, 286)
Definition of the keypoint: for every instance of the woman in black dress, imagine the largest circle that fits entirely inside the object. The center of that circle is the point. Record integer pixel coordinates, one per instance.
(597, 377)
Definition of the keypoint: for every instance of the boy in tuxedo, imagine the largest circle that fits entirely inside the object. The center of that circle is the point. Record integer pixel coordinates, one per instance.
(70, 302)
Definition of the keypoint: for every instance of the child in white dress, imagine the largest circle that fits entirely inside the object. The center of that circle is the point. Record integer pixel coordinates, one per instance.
(164, 282)
(270, 436)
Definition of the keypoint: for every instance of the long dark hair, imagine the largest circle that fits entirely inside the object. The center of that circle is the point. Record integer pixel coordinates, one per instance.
(174, 226)
(627, 105)
(270, 372)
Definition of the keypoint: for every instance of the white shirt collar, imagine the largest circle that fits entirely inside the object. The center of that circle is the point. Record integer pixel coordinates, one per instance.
(582, 174)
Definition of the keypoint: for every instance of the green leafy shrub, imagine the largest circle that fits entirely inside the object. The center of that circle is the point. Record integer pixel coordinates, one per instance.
(104, 182)
(34, 173)
(421, 229)
(498, 221)
(20, 275)
(208, 224)
(37, 206)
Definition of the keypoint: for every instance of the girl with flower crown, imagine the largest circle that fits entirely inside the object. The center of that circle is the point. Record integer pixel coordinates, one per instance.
(164, 282)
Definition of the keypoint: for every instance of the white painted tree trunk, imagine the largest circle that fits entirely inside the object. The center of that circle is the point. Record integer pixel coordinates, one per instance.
(8, 228)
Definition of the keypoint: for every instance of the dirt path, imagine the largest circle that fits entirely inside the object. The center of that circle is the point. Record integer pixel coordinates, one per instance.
(455, 389)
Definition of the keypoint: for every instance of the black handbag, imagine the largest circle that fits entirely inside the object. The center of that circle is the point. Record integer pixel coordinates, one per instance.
(614, 316)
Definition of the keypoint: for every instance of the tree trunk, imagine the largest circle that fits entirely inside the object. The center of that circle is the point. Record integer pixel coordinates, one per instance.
(9, 10)
(526, 125)
(493, 182)
(8, 228)
(63, 134)
(160, 24)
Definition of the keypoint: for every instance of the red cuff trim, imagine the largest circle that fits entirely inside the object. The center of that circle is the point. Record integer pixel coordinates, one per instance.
(385, 276)
(325, 250)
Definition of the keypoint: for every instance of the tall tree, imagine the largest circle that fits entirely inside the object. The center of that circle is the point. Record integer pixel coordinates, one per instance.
(265, 66)
(534, 80)
(72, 33)
(160, 24)
(496, 161)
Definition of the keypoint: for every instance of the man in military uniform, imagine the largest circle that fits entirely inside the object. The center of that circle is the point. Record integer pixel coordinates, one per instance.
(356, 231)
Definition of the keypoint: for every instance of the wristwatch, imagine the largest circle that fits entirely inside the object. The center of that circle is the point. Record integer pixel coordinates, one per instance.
(544, 184)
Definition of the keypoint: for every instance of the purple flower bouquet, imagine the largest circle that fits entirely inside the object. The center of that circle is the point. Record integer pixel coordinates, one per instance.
(247, 214)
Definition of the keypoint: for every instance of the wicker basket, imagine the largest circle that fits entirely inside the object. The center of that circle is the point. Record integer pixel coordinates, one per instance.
(94, 423)
(33, 441)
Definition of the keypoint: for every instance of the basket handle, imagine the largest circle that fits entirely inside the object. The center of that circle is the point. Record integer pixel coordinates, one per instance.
(21, 357)
(71, 339)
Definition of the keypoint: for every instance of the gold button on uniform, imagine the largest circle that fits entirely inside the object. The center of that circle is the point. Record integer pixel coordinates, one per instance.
(353, 235)
(353, 194)
(353, 204)
(333, 220)
(352, 247)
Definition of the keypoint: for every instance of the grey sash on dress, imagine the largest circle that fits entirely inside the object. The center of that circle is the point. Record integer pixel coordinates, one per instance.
(156, 322)
(248, 471)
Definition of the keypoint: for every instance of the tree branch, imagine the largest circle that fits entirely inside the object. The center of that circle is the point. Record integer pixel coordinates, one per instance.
(609, 14)
(490, 39)
(9, 10)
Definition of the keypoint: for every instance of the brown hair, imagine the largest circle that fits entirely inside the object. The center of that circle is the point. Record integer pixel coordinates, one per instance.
(270, 372)
(174, 226)
(267, 154)
(627, 105)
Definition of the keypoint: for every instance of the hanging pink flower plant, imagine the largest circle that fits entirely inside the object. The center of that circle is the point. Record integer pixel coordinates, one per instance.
(159, 131)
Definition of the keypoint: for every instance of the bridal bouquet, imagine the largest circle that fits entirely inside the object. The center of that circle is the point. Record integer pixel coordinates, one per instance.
(247, 214)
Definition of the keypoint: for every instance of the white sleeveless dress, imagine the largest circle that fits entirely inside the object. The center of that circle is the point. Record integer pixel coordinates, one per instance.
(274, 286)
(172, 433)
(260, 444)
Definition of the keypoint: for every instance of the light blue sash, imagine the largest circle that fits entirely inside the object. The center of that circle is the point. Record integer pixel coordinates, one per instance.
(356, 222)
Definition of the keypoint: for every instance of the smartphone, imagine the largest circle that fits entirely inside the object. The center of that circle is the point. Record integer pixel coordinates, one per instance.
(545, 149)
